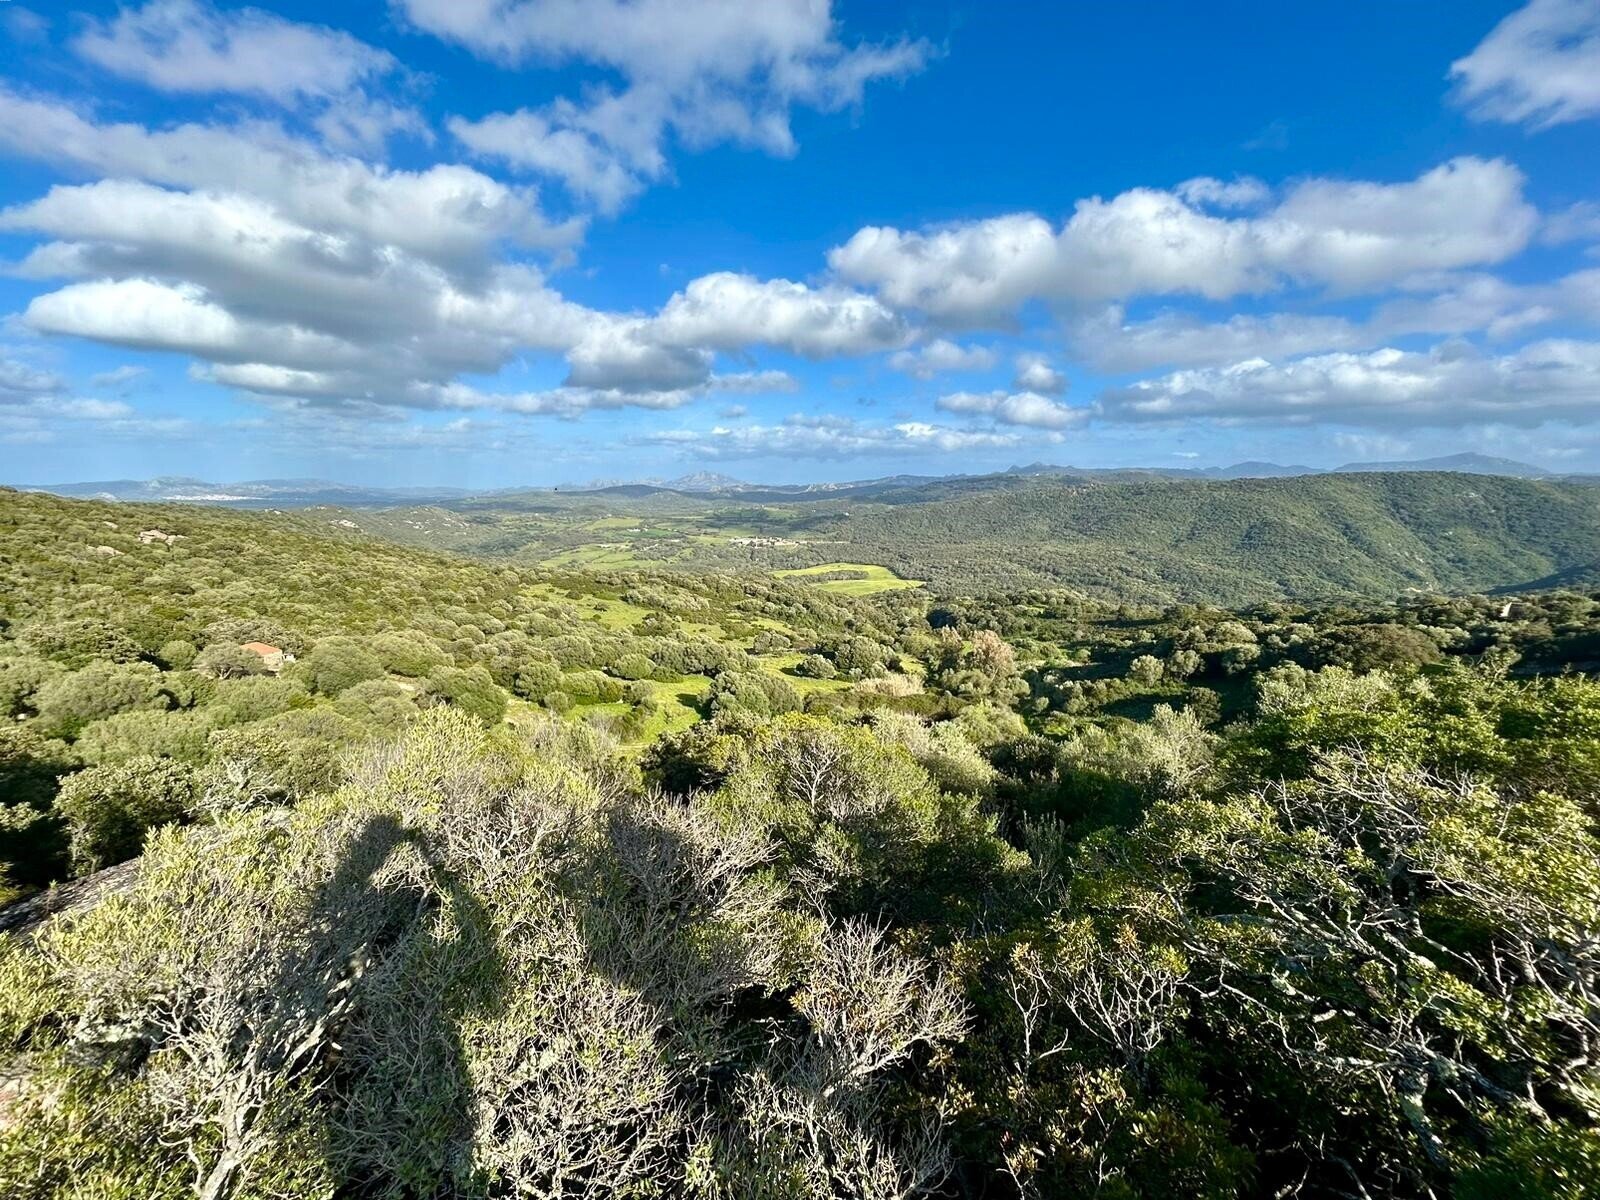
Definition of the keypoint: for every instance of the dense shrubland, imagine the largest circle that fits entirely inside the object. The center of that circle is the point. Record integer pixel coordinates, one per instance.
(1025, 895)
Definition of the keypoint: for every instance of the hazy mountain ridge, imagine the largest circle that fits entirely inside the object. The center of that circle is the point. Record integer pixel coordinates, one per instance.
(309, 492)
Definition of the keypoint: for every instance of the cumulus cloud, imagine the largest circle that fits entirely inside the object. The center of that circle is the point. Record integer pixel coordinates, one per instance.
(1014, 408)
(605, 175)
(706, 71)
(1035, 374)
(186, 46)
(1206, 192)
(1540, 66)
(826, 437)
(1341, 235)
(940, 356)
(190, 46)
(231, 279)
(729, 312)
(274, 305)
(1451, 385)
(1451, 304)
(448, 214)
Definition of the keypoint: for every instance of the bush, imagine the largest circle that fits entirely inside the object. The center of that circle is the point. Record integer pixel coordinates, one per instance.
(1377, 647)
(756, 692)
(633, 666)
(255, 698)
(471, 689)
(814, 666)
(66, 703)
(177, 655)
(339, 662)
(536, 678)
(109, 809)
(411, 653)
(1146, 670)
(20, 680)
(379, 703)
(181, 734)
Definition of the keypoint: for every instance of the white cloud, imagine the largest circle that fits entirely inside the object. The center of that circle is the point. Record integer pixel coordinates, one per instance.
(80, 409)
(1206, 192)
(1014, 408)
(728, 312)
(41, 418)
(707, 71)
(23, 24)
(450, 215)
(187, 46)
(1448, 304)
(1035, 374)
(279, 306)
(139, 313)
(827, 437)
(1451, 385)
(358, 125)
(229, 279)
(620, 354)
(571, 401)
(1540, 66)
(1578, 222)
(118, 376)
(530, 141)
(939, 356)
(20, 381)
(1344, 236)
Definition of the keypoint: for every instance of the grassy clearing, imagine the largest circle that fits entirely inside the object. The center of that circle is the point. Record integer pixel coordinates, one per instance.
(678, 701)
(602, 556)
(784, 664)
(867, 578)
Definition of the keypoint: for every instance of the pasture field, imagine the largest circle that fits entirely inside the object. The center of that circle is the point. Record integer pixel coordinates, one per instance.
(867, 579)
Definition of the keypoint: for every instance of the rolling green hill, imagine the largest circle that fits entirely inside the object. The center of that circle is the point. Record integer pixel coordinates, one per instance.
(1236, 541)
(1220, 541)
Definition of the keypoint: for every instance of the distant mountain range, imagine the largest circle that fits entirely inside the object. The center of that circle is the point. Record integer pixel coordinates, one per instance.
(254, 493)
(301, 493)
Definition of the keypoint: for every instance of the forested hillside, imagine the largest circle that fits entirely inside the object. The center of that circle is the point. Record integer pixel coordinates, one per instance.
(523, 881)
(1238, 541)
(1372, 535)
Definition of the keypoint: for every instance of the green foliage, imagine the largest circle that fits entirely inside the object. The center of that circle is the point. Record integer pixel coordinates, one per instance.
(633, 666)
(471, 689)
(66, 703)
(108, 810)
(1378, 647)
(33, 843)
(336, 663)
(20, 680)
(755, 692)
(227, 661)
(410, 653)
(1040, 896)
(181, 735)
(814, 666)
(472, 927)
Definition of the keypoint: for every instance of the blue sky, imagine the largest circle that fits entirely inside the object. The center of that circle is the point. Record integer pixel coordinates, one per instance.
(498, 242)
